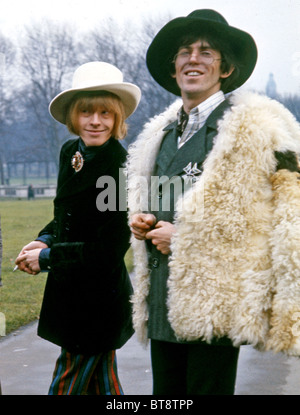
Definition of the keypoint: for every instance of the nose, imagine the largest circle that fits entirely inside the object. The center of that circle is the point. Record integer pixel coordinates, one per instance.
(95, 119)
(194, 55)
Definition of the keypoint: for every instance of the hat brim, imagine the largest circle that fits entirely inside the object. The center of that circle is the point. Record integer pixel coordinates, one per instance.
(165, 45)
(129, 94)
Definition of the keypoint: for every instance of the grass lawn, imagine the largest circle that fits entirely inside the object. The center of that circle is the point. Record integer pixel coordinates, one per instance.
(21, 295)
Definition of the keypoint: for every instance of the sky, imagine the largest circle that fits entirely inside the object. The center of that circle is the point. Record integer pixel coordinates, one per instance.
(274, 24)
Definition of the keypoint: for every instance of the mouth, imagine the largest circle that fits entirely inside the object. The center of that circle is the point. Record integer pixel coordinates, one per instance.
(193, 73)
(95, 131)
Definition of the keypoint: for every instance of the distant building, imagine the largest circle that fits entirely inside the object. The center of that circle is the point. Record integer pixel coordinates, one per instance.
(271, 87)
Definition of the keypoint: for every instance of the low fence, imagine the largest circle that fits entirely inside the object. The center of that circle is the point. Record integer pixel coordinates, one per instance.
(23, 192)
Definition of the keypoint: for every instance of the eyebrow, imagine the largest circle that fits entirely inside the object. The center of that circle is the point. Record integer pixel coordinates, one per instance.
(200, 47)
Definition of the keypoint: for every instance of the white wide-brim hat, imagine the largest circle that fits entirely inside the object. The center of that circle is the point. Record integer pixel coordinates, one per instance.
(96, 76)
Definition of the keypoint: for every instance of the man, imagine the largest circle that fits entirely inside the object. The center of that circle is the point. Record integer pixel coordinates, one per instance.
(216, 264)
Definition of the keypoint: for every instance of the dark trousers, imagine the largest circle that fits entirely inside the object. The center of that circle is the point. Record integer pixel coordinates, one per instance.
(193, 369)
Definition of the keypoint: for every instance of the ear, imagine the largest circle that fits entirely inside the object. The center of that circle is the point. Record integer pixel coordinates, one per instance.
(227, 74)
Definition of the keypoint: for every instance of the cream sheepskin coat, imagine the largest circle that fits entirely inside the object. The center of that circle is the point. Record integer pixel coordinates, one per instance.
(235, 262)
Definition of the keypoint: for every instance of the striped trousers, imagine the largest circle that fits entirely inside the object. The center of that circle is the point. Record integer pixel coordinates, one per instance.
(77, 374)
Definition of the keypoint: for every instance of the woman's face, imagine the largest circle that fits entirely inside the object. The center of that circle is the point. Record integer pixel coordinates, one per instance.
(95, 128)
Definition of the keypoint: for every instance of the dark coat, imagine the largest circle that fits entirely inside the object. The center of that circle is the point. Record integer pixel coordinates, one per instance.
(86, 307)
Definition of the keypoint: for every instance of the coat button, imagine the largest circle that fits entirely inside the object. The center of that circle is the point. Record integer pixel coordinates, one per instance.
(155, 262)
(159, 195)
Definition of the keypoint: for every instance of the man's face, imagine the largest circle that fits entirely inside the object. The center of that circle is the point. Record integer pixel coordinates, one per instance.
(95, 128)
(198, 71)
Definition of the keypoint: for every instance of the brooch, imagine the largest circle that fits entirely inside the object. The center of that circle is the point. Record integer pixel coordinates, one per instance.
(77, 161)
(191, 172)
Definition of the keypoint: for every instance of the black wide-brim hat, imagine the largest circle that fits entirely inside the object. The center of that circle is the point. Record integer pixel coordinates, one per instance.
(206, 22)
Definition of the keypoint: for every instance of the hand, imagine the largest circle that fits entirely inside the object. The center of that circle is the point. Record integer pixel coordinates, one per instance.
(33, 245)
(141, 223)
(28, 258)
(161, 236)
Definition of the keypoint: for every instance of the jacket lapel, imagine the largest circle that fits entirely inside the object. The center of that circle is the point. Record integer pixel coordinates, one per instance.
(168, 150)
(193, 151)
(172, 161)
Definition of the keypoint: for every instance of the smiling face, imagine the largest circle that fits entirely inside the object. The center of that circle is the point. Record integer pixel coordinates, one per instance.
(96, 116)
(198, 72)
(95, 127)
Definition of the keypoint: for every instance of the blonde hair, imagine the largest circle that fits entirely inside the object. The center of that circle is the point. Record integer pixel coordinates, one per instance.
(92, 100)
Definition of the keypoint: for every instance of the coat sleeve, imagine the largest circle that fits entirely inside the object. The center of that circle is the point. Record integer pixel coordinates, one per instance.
(45, 235)
(284, 332)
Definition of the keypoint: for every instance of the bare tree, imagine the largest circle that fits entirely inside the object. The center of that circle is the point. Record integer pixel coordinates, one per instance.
(49, 56)
(125, 47)
(7, 56)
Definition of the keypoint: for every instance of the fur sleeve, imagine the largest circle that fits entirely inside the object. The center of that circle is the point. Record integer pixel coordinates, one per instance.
(285, 241)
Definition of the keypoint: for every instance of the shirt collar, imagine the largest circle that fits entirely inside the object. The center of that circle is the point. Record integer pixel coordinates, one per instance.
(89, 152)
(202, 111)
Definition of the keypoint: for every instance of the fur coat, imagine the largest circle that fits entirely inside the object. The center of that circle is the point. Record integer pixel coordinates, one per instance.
(235, 262)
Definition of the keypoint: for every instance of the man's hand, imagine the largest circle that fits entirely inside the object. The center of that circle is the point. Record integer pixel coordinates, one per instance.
(29, 261)
(141, 224)
(28, 258)
(161, 236)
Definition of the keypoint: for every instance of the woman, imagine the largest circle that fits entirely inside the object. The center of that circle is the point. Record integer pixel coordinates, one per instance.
(86, 308)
